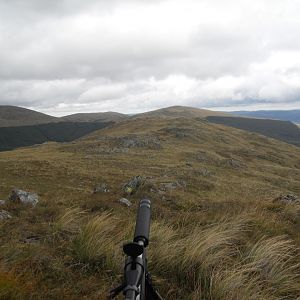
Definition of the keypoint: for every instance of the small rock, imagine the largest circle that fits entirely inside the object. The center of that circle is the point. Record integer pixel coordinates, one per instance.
(23, 197)
(170, 186)
(202, 157)
(133, 185)
(31, 239)
(173, 185)
(4, 215)
(101, 188)
(204, 172)
(125, 202)
(288, 198)
(230, 162)
(2, 202)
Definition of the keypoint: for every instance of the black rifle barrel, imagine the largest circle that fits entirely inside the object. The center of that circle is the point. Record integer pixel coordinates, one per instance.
(142, 227)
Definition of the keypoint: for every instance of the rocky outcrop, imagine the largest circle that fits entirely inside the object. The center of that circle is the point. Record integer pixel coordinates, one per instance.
(288, 198)
(20, 196)
(133, 185)
(134, 141)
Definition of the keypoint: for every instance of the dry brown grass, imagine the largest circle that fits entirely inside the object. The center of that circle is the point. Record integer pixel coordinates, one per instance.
(96, 241)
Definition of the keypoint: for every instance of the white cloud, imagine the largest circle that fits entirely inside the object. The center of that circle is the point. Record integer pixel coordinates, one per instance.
(65, 56)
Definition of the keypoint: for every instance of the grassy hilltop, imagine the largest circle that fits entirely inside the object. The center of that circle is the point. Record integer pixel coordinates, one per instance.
(216, 231)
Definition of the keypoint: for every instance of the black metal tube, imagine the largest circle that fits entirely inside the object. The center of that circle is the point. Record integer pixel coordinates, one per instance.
(130, 295)
(142, 227)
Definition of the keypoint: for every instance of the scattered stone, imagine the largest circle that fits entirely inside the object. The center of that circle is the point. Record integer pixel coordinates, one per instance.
(4, 215)
(288, 198)
(133, 185)
(2, 202)
(172, 185)
(204, 172)
(31, 239)
(125, 202)
(202, 157)
(134, 141)
(101, 188)
(24, 197)
(230, 162)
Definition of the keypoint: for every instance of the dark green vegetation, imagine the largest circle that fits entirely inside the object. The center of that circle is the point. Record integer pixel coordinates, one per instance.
(281, 130)
(286, 115)
(21, 136)
(217, 232)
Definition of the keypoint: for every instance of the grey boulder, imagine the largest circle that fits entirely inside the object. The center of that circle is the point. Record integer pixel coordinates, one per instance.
(24, 197)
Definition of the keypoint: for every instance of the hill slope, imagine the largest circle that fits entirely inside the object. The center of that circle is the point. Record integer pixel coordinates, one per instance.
(281, 130)
(18, 116)
(286, 115)
(181, 111)
(22, 136)
(216, 233)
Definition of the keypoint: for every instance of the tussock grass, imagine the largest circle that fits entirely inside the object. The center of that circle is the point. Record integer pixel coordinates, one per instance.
(206, 250)
(274, 260)
(164, 249)
(96, 242)
(69, 221)
(220, 263)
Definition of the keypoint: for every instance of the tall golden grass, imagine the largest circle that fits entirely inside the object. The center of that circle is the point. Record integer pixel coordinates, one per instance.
(96, 242)
(218, 263)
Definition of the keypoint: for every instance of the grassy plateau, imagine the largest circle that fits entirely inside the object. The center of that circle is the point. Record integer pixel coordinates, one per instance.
(216, 231)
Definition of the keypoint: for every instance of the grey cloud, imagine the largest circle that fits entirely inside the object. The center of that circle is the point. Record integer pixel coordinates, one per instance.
(82, 55)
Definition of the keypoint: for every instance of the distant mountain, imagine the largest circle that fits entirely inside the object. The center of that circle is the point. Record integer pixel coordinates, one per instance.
(18, 116)
(286, 115)
(278, 129)
(181, 111)
(96, 117)
(24, 127)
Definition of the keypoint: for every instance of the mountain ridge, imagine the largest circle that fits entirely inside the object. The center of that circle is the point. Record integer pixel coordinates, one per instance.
(18, 116)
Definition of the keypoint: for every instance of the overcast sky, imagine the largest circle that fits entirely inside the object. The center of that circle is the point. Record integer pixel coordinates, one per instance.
(67, 56)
